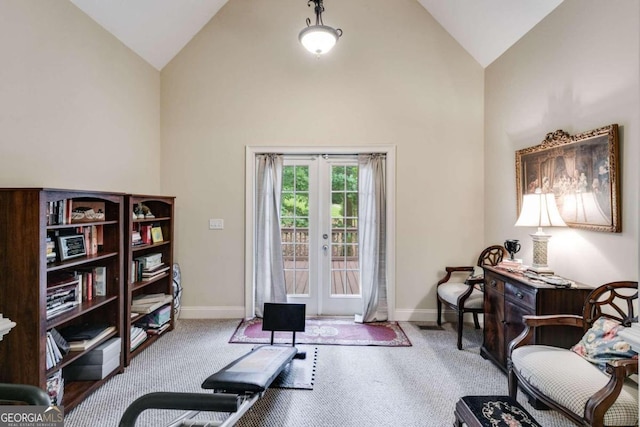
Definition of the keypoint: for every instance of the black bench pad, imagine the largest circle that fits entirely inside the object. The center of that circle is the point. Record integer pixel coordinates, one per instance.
(252, 373)
(492, 411)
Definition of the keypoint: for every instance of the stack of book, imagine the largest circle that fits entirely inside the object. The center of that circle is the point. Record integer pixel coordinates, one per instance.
(55, 387)
(136, 238)
(157, 322)
(147, 267)
(96, 364)
(82, 337)
(147, 303)
(138, 336)
(512, 265)
(51, 250)
(63, 293)
(152, 273)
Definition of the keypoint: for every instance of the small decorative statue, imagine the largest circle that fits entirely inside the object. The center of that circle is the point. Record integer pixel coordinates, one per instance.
(142, 211)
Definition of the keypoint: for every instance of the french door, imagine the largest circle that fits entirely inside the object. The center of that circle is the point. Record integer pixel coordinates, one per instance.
(319, 223)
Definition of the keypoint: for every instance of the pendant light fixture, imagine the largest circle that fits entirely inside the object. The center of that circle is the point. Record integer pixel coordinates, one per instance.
(318, 38)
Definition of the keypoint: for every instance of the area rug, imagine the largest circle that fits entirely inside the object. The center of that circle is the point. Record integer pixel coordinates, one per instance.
(326, 331)
(299, 373)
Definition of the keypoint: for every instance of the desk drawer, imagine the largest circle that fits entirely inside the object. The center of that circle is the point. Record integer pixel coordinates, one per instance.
(494, 284)
(521, 295)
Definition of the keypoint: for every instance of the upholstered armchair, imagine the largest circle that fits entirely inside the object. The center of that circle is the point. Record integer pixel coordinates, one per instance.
(589, 383)
(466, 295)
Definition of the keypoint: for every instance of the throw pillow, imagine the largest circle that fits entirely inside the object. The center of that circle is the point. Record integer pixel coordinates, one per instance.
(601, 343)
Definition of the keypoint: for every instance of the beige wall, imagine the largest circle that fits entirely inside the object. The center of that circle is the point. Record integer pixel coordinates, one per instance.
(71, 92)
(577, 70)
(77, 108)
(396, 77)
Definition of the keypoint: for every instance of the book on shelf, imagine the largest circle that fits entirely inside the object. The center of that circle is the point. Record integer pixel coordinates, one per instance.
(145, 233)
(81, 337)
(158, 330)
(93, 282)
(150, 261)
(93, 238)
(53, 353)
(138, 336)
(59, 340)
(63, 297)
(152, 274)
(52, 254)
(156, 234)
(55, 387)
(157, 318)
(100, 281)
(148, 303)
(136, 238)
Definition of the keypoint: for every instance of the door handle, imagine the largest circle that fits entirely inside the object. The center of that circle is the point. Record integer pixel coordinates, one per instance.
(324, 248)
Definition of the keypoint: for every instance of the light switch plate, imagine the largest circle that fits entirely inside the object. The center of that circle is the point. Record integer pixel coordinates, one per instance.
(216, 224)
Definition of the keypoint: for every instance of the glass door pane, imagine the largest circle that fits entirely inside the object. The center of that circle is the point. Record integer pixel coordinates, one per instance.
(294, 223)
(345, 278)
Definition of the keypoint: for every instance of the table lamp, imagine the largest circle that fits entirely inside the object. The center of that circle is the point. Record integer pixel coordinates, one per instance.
(540, 210)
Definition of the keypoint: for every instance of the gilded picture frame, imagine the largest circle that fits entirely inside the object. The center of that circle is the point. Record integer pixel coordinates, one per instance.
(582, 170)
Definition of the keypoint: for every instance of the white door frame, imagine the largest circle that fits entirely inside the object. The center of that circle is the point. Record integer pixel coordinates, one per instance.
(250, 155)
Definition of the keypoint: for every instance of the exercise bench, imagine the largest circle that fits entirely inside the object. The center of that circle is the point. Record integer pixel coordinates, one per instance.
(236, 387)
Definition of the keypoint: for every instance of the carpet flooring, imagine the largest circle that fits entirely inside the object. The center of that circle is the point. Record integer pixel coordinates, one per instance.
(357, 386)
(326, 330)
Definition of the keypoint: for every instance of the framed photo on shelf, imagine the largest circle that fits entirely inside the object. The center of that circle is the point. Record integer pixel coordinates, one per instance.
(156, 234)
(71, 246)
(583, 173)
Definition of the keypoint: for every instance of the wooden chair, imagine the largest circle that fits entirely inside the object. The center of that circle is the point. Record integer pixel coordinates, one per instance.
(467, 296)
(567, 382)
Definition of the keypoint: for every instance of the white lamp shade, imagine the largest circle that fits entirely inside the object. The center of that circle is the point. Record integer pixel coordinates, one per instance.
(318, 39)
(539, 210)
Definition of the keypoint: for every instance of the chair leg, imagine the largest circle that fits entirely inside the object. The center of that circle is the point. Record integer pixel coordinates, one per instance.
(460, 318)
(439, 304)
(513, 383)
(475, 320)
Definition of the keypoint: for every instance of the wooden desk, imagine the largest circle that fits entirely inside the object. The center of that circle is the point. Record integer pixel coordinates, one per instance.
(508, 297)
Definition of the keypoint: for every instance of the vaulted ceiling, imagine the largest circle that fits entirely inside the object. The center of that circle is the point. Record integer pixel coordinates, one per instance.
(158, 29)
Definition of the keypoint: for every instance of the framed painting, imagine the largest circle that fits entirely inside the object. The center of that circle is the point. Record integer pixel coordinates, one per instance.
(581, 170)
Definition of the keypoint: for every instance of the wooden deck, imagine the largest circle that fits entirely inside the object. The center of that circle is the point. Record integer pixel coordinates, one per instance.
(344, 277)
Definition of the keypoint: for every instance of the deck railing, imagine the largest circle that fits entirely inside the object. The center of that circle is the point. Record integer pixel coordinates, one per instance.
(295, 242)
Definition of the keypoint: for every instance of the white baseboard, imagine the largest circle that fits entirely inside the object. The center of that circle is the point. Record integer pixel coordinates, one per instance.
(401, 315)
(212, 312)
(431, 315)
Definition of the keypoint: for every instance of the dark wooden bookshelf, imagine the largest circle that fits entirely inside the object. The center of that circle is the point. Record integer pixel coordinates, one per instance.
(24, 228)
(162, 207)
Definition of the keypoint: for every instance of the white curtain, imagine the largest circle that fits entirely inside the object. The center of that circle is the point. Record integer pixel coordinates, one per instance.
(269, 266)
(372, 233)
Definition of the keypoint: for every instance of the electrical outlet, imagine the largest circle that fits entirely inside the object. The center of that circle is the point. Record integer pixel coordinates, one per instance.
(216, 224)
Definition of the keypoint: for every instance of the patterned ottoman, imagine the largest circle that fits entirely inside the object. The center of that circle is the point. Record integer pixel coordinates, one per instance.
(492, 411)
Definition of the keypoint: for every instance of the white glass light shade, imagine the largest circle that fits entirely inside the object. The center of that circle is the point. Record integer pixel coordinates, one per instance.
(318, 39)
(539, 210)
